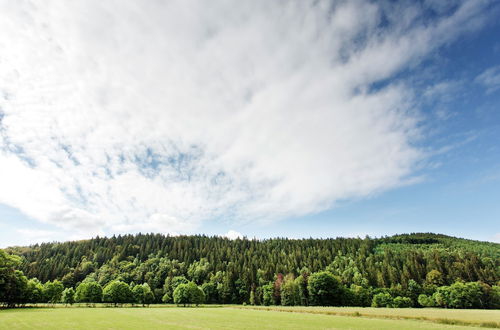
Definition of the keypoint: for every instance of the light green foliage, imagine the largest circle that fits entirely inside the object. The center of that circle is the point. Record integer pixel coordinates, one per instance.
(434, 277)
(34, 291)
(426, 301)
(106, 274)
(68, 296)
(210, 291)
(167, 299)
(360, 296)
(143, 294)
(181, 295)
(325, 290)
(177, 280)
(196, 294)
(290, 292)
(251, 300)
(171, 283)
(52, 291)
(117, 292)
(402, 302)
(187, 294)
(240, 292)
(382, 300)
(198, 271)
(267, 294)
(13, 284)
(225, 288)
(413, 291)
(459, 295)
(302, 282)
(89, 291)
(494, 300)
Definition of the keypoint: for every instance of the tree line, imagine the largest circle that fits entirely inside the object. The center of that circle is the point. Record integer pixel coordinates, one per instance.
(419, 270)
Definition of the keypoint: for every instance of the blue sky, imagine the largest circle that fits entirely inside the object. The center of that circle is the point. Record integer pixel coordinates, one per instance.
(340, 119)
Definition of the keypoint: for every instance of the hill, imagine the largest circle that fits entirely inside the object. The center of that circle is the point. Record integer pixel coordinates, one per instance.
(242, 270)
(383, 261)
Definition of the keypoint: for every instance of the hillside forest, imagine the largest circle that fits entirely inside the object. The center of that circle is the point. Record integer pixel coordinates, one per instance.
(410, 270)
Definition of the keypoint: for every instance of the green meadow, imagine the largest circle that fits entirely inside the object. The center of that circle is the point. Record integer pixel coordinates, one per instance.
(233, 317)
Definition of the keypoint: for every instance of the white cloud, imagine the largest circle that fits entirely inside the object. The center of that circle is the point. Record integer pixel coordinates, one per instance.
(232, 234)
(32, 236)
(496, 238)
(490, 79)
(123, 116)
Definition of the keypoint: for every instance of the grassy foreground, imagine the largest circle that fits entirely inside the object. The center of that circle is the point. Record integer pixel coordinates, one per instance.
(198, 318)
(469, 317)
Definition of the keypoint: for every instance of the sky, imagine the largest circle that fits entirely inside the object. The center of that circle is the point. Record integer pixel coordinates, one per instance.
(249, 118)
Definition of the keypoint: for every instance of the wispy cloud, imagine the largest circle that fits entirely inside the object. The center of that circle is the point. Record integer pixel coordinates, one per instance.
(490, 79)
(155, 116)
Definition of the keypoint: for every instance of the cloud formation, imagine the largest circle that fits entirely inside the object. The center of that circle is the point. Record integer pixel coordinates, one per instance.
(490, 79)
(232, 234)
(126, 116)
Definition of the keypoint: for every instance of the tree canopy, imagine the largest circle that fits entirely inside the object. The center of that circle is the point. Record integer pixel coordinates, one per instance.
(402, 270)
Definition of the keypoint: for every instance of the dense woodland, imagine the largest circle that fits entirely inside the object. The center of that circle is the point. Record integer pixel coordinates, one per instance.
(419, 270)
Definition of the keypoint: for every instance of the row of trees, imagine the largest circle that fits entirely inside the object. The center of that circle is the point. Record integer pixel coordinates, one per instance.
(463, 295)
(317, 289)
(391, 271)
(16, 290)
(325, 289)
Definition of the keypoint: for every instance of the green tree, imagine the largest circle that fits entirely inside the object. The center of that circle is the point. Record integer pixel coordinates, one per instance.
(176, 280)
(494, 297)
(68, 296)
(302, 282)
(149, 296)
(382, 300)
(143, 294)
(166, 299)
(267, 294)
(171, 283)
(463, 295)
(426, 301)
(117, 292)
(240, 292)
(196, 294)
(434, 277)
(198, 271)
(402, 302)
(442, 297)
(89, 291)
(13, 283)
(34, 291)
(52, 291)
(226, 289)
(325, 290)
(360, 296)
(187, 294)
(210, 290)
(414, 290)
(181, 295)
(251, 300)
(290, 292)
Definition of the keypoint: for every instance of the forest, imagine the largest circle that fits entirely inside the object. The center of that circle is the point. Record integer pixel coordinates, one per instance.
(410, 270)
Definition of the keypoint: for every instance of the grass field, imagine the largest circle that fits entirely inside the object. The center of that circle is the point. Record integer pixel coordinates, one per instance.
(475, 317)
(216, 318)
